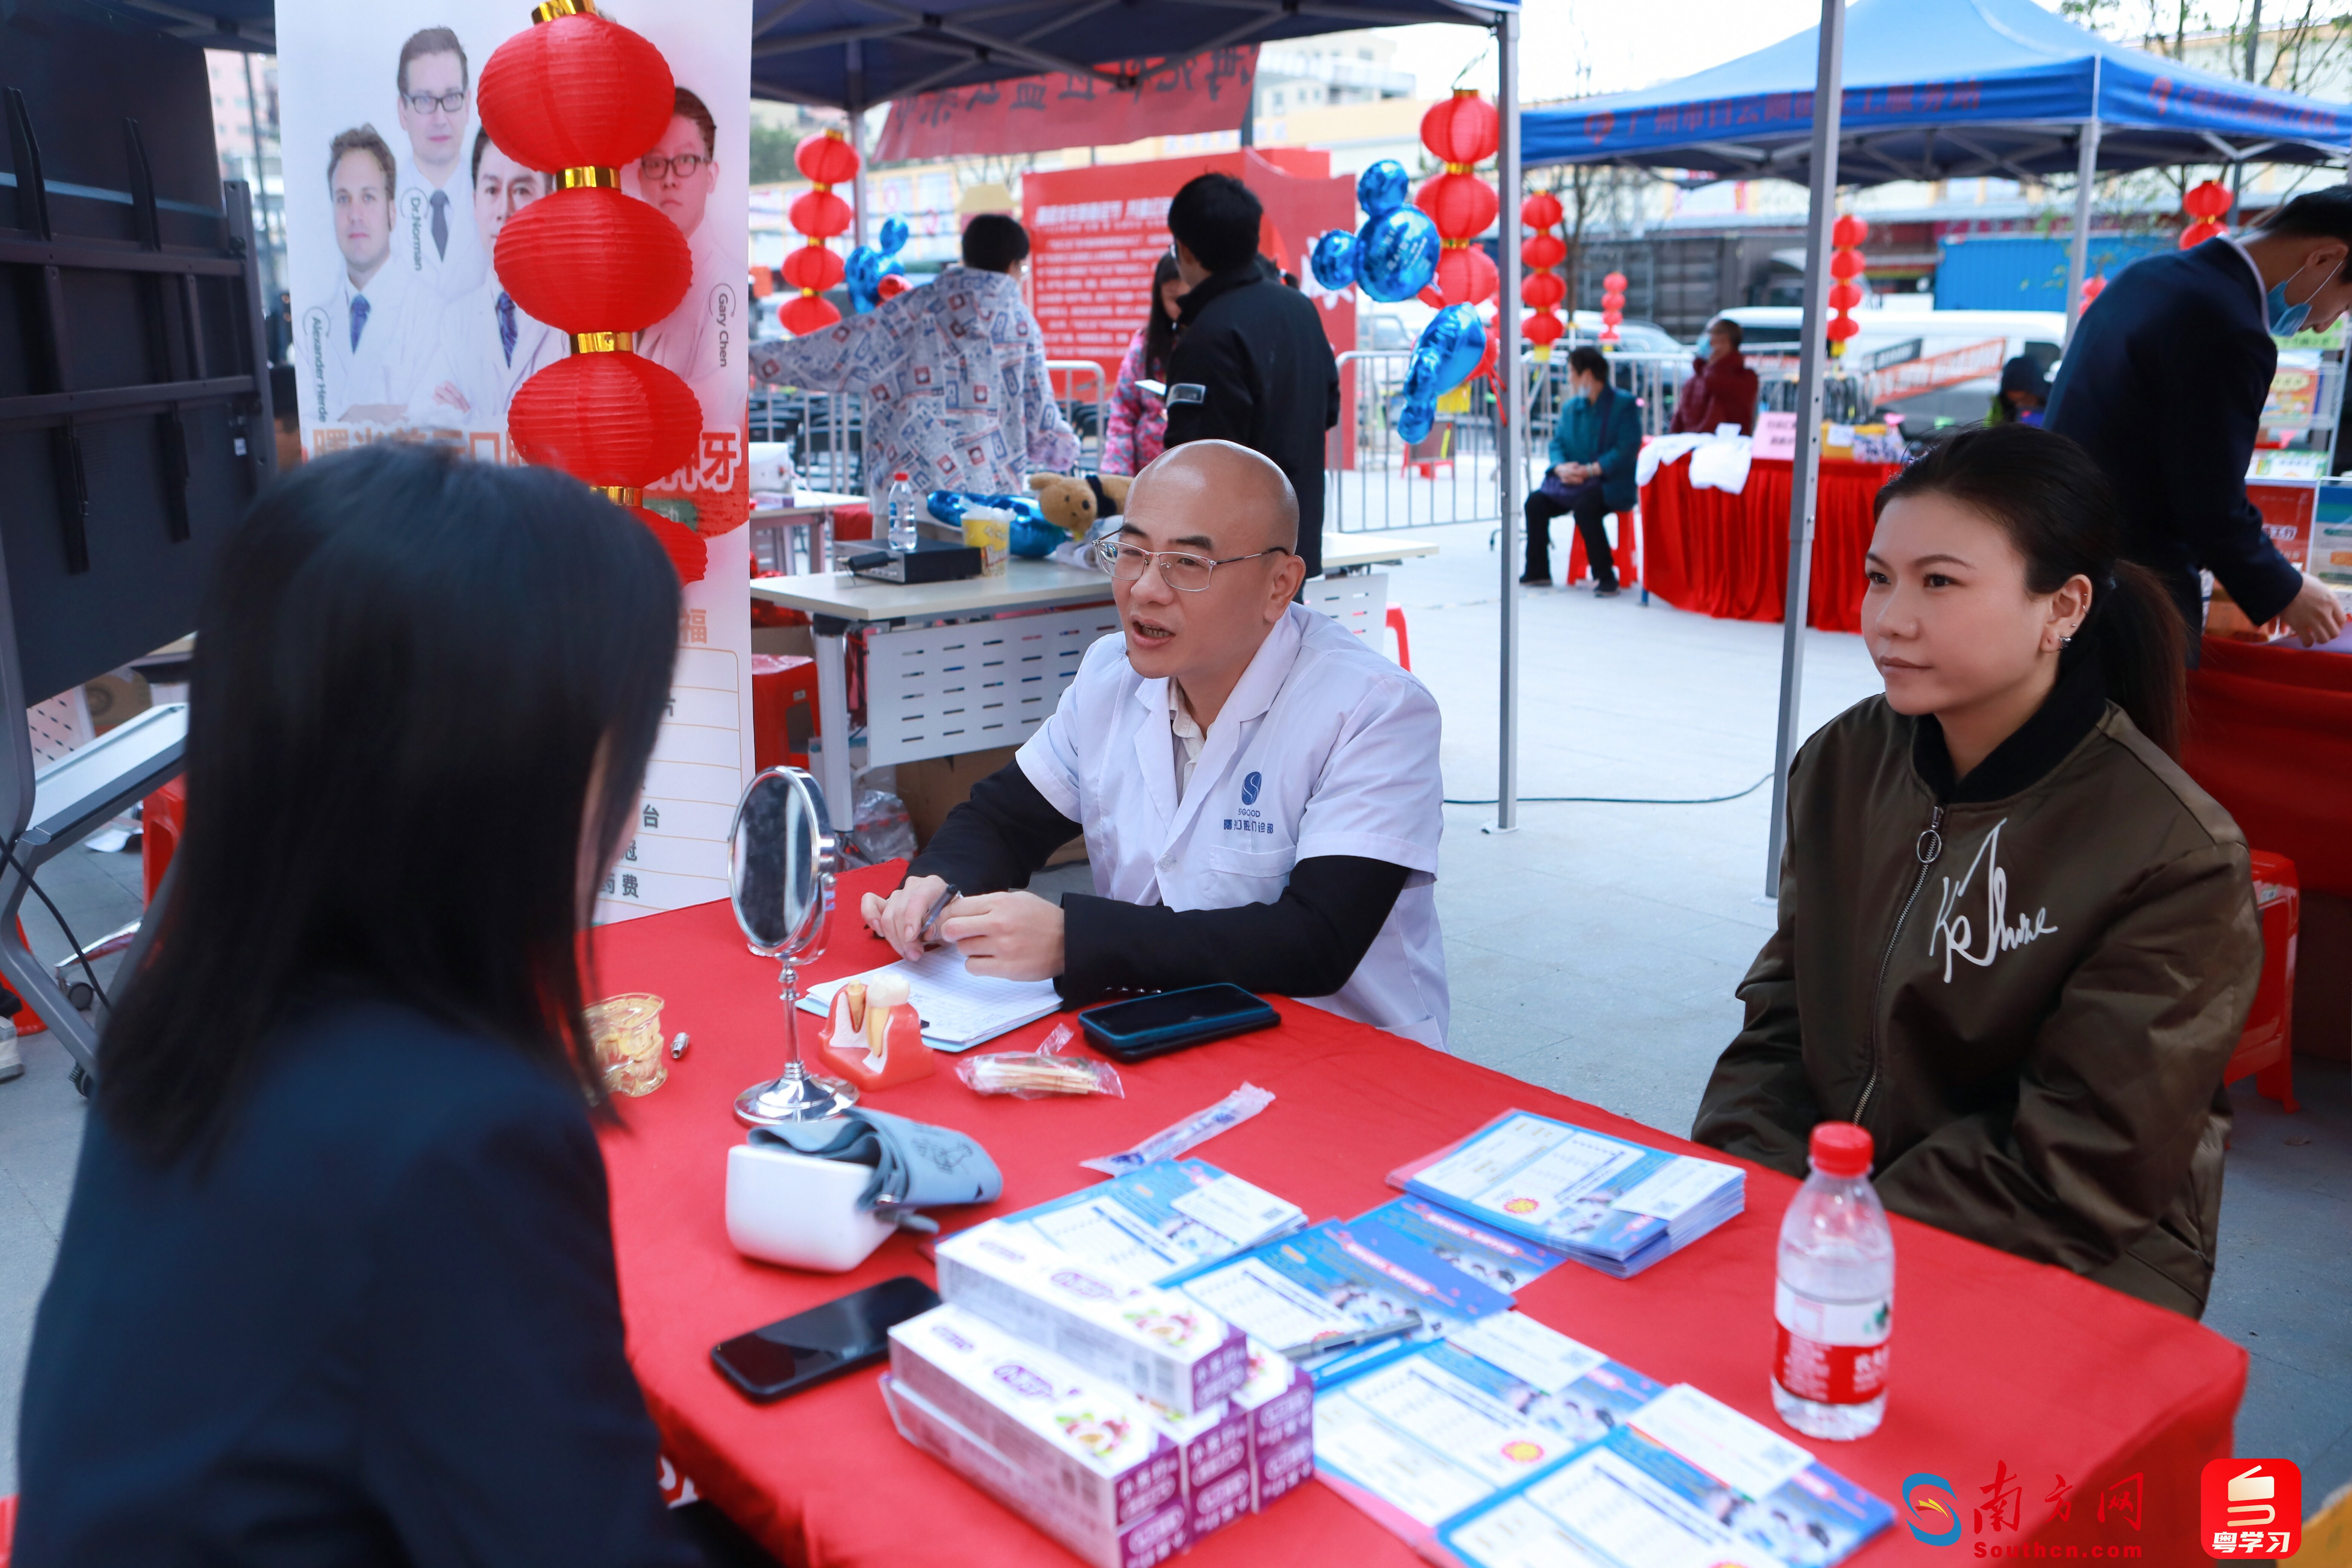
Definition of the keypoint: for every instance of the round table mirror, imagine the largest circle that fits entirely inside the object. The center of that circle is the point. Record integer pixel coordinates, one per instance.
(782, 858)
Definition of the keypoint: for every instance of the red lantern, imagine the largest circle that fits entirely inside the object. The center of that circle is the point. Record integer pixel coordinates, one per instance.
(1540, 210)
(806, 314)
(1849, 232)
(606, 418)
(2198, 233)
(1434, 295)
(2211, 199)
(592, 259)
(813, 269)
(826, 158)
(1542, 290)
(819, 213)
(1463, 130)
(1542, 329)
(1466, 275)
(1846, 264)
(1844, 296)
(2092, 287)
(575, 92)
(1841, 328)
(686, 552)
(1614, 283)
(1461, 205)
(1543, 251)
(892, 285)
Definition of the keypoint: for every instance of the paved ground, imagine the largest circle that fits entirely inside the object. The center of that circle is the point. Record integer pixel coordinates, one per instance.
(1593, 951)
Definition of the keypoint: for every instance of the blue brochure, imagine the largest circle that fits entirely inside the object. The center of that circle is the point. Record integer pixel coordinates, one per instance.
(1163, 1221)
(1487, 1254)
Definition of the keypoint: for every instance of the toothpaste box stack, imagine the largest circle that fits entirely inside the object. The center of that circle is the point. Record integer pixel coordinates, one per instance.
(1214, 1447)
(1158, 1342)
(1279, 1401)
(1078, 1459)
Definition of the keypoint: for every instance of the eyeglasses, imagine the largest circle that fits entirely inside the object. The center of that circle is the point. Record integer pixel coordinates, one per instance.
(685, 165)
(426, 102)
(1184, 572)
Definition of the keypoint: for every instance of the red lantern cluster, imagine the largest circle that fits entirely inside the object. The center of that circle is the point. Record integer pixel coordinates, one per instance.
(827, 160)
(1613, 305)
(1461, 133)
(1543, 289)
(2205, 203)
(1846, 237)
(582, 96)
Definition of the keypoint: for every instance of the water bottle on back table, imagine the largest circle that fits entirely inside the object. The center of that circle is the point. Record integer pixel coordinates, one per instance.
(1835, 1298)
(903, 531)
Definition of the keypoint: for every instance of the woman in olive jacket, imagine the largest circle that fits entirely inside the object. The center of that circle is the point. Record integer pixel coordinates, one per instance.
(2016, 942)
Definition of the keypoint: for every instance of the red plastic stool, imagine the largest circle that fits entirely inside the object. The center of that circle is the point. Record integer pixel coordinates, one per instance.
(1626, 553)
(161, 820)
(2266, 1046)
(784, 708)
(1405, 644)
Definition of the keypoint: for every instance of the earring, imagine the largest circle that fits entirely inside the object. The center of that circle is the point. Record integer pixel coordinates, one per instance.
(2066, 639)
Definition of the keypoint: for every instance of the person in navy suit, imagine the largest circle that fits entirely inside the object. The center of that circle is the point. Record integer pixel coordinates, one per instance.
(336, 1285)
(2164, 382)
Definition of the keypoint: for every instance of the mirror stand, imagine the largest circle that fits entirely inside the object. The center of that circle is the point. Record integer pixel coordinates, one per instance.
(795, 1094)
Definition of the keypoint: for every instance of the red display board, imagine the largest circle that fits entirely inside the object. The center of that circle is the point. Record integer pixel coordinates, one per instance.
(1042, 113)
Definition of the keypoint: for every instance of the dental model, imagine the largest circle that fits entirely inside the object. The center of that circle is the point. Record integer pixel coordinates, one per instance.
(874, 1034)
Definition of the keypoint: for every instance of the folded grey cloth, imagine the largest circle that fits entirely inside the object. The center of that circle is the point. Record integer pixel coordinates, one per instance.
(915, 1164)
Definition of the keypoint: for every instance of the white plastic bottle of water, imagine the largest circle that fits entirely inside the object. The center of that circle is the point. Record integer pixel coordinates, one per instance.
(903, 533)
(1835, 1298)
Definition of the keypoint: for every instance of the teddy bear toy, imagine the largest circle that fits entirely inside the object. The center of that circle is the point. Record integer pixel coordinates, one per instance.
(1076, 503)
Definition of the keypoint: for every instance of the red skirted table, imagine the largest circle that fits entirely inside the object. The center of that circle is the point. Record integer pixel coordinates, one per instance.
(1727, 555)
(1998, 1365)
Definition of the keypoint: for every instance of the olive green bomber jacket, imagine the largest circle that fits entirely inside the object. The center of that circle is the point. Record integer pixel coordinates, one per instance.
(2025, 986)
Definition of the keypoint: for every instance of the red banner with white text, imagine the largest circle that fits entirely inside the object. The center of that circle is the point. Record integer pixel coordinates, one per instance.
(1045, 113)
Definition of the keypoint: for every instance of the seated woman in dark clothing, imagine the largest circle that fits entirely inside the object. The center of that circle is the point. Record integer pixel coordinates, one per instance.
(336, 1286)
(2016, 942)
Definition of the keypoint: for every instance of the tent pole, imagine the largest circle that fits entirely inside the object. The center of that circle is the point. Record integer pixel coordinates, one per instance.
(2086, 174)
(857, 180)
(1510, 409)
(1821, 213)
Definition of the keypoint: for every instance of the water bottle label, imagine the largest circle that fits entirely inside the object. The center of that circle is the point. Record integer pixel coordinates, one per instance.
(1831, 1352)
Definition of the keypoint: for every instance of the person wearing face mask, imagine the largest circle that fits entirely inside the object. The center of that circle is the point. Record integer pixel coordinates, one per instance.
(2016, 942)
(1593, 449)
(2163, 385)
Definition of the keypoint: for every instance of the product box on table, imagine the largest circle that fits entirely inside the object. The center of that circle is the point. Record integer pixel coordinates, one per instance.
(1077, 1456)
(1157, 1343)
(1279, 1400)
(1214, 1447)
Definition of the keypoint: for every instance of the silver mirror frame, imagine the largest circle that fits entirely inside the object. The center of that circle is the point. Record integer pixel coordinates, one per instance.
(786, 805)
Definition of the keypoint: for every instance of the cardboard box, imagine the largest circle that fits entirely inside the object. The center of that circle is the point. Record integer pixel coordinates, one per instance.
(937, 786)
(1157, 1343)
(1279, 1400)
(1214, 1447)
(1077, 1458)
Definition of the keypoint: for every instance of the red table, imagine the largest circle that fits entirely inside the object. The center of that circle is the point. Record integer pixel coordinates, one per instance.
(1998, 1361)
(1727, 555)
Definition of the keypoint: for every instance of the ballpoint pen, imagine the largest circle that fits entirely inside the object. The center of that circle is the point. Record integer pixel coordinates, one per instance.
(931, 921)
(1353, 1338)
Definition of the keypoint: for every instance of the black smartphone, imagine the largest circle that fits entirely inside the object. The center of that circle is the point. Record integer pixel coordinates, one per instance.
(824, 1341)
(1153, 1026)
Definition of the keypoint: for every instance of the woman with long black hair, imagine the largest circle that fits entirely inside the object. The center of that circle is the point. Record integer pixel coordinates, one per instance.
(1138, 429)
(2016, 942)
(336, 1285)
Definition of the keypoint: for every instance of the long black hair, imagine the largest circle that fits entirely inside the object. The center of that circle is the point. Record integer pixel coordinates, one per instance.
(1158, 329)
(411, 672)
(2061, 514)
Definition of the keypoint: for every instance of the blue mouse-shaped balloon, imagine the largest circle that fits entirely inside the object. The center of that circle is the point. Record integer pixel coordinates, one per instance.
(1333, 259)
(1414, 421)
(894, 235)
(1396, 254)
(1456, 339)
(1383, 188)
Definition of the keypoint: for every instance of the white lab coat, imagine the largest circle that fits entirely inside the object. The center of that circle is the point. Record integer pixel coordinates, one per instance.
(703, 339)
(1324, 748)
(398, 347)
(472, 356)
(459, 271)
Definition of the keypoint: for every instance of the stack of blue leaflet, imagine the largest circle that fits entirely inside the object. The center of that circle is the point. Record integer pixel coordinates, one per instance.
(1610, 1204)
(1158, 1224)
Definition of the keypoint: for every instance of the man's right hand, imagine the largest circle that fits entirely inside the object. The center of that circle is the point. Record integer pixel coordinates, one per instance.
(2314, 616)
(898, 919)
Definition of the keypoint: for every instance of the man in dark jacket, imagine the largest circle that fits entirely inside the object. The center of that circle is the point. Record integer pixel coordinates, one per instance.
(1251, 363)
(2164, 383)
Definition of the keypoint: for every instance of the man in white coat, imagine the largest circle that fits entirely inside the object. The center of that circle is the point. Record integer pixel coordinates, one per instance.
(703, 339)
(488, 345)
(436, 243)
(367, 351)
(1258, 790)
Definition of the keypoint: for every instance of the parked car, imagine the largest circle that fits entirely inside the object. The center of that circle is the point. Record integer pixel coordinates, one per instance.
(1891, 338)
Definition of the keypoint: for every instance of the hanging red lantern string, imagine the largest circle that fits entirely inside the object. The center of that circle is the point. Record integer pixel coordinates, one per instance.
(1543, 289)
(1846, 237)
(827, 160)
(1612, 306)
(2204, 203)
(582, 96)
(1461, 133)
(2092, 289)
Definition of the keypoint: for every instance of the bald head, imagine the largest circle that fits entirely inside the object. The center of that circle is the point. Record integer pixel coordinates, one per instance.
(1232, 492)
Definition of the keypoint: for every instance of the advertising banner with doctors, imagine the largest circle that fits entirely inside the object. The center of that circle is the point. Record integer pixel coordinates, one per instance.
(394, 200)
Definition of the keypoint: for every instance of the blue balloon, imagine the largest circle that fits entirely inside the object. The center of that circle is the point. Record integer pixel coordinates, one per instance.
(1396, 254)
(1456, 340)
(1333, 259)
(945, 506)
(894, 235)
(1415, 420)
(863, 273)
(1383, 187)
(1034, 537)
(1421, 373)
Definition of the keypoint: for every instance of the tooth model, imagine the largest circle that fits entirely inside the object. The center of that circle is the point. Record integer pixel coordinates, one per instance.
(875, 1036)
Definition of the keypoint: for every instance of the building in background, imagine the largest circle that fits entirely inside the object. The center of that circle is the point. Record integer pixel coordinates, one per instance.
(244, 137)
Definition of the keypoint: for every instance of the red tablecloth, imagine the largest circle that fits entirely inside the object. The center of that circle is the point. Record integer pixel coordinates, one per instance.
(1998, 1363)
(2270, 737)
(1727, 555)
